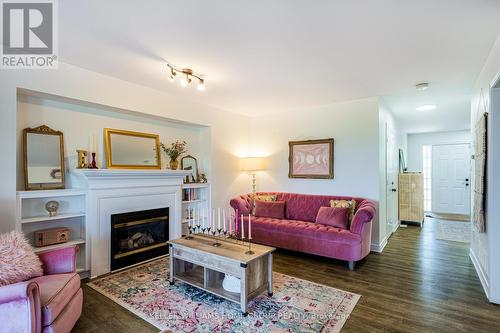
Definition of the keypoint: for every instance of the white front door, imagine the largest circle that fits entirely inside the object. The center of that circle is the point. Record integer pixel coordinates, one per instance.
(451, 179)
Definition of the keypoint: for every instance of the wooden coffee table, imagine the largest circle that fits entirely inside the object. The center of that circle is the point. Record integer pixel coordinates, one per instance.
(197, 262)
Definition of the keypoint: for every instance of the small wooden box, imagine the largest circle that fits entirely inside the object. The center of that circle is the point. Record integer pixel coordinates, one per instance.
(51, 236)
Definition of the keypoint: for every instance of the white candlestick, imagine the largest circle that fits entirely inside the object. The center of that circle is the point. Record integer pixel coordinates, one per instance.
(218, 218)
(224, 220)
(249, 226)
(213, 219)
(198, 215)
(242, 228)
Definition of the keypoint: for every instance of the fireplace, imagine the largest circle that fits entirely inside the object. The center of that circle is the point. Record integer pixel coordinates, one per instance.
(138, 236)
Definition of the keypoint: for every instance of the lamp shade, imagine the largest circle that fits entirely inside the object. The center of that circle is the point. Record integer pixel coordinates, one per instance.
(253, 164)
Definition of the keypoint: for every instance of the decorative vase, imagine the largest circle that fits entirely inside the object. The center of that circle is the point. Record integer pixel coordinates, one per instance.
(174, 164)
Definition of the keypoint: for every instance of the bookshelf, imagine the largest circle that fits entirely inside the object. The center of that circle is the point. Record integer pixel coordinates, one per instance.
(194, 196)
(31, 216)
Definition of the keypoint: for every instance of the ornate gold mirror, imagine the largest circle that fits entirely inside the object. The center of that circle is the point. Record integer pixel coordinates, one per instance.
(131, 150)
(43, 158)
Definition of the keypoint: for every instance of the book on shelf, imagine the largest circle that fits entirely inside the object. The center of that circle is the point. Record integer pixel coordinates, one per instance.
(190, 194)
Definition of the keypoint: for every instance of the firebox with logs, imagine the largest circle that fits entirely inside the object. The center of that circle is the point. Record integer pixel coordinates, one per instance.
(138, 236)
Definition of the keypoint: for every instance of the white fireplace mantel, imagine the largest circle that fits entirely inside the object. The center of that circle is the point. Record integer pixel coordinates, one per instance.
(114, 191)
(114, 178)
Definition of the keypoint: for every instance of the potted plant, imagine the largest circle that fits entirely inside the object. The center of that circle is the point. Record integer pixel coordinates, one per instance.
(175, 150)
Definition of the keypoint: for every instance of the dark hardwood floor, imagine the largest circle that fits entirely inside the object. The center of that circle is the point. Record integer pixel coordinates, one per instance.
(418, 284)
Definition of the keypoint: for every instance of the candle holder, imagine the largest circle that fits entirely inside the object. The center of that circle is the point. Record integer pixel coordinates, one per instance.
(93, 164)
(189, 233)
(250, 252)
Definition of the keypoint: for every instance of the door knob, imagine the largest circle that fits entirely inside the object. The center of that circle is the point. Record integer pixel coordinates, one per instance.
(393, 190)
(466, 179)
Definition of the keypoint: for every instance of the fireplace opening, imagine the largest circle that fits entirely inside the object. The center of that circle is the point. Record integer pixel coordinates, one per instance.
(138, 236)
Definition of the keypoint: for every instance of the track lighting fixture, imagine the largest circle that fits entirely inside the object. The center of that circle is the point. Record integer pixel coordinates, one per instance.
(187, 76)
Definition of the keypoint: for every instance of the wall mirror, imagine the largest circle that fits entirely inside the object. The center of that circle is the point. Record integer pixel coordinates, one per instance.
(131, 150)
(43, 158)
(190, 163)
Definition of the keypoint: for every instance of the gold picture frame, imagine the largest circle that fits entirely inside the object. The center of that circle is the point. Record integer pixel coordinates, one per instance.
(300, 154)
(108, 142)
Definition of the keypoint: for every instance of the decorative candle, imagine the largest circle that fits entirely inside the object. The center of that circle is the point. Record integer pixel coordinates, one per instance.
(224, 220)
(218, 218)
(198, 215)
(230, 223)
(242, 228)
(213, 219)
(249, 226)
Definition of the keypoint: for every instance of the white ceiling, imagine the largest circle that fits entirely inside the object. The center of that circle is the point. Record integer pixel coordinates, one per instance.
(283, 56)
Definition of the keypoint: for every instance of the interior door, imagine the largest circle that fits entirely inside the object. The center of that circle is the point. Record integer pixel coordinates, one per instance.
(451, 179)
(391, 180)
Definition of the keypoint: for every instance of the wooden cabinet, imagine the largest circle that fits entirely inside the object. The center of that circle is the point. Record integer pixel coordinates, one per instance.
(411, 197)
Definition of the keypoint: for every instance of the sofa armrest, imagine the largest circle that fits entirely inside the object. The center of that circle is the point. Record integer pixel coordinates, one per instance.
(242, 204)
(59, 261)
(18, 291)
(364, 214)
(20, 308)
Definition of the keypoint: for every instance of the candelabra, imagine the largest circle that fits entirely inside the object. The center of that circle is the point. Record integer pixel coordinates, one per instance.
(216, 243)
(190, 227)
(249, 252)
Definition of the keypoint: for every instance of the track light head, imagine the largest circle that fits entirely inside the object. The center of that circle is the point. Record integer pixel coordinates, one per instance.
(201, 85)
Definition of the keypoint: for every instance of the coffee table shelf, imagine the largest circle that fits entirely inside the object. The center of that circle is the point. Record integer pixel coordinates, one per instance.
(198, 263)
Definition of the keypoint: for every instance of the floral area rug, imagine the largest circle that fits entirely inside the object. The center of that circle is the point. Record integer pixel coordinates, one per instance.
(296, 306)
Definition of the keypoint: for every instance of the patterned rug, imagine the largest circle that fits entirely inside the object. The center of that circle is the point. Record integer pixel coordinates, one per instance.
(296, 306)
(454, 231)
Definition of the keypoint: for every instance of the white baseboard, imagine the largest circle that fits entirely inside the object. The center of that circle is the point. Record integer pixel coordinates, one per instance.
(480, 273)
(379, 247)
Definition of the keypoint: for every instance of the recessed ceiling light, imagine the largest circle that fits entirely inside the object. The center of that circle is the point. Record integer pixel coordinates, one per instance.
(426, 107)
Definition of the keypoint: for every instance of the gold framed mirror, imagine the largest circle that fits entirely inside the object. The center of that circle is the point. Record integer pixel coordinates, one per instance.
(43, 150)
(131, 150)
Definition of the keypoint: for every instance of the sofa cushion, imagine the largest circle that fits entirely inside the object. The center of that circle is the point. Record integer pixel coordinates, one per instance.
(336, 217)
(306, 229)
(18, 262)
(262, 197)
(55, 293)
(351, 204)
(274, 209)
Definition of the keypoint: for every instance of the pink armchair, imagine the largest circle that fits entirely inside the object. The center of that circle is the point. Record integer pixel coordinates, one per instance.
(51, 303)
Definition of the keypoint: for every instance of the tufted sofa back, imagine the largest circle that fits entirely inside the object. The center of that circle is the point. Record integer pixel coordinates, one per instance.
(303, 207)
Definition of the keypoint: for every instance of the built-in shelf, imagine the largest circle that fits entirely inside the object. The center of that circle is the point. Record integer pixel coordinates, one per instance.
(50, 218)
(49, 193)
(193, 201)
(195, 185)
(77, 241)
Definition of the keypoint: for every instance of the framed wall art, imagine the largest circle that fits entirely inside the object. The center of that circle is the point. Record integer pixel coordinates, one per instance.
(311, 159)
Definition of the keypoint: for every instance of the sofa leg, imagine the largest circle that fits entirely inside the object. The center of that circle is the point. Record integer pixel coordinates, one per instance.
(351, 265)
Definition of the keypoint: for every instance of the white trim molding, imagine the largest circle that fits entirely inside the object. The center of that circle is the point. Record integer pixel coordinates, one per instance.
(483, 277)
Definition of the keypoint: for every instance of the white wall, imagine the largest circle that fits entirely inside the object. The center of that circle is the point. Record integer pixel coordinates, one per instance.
(225, 143)
(485, 247)
(79, 123)
(416, 141)
(388, 126)
(354, 127)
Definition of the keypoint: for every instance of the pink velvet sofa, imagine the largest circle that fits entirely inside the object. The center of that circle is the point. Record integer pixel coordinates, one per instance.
(51, 303)
(299, 231)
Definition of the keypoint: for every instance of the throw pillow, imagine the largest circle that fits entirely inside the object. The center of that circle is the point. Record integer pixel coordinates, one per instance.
(272, 209)
(18, 262)
(333, 216)
(351, 204)
(262, 197)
